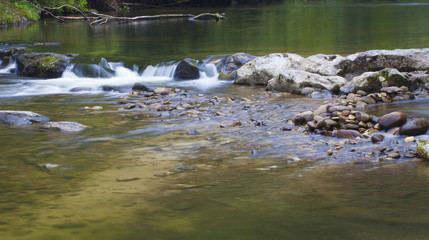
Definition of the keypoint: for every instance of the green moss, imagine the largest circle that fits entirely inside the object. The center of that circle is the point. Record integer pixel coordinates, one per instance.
(230, 76)
(423, 149)
(15, 11)
(49, 61)
(374, 84)
(394, 79)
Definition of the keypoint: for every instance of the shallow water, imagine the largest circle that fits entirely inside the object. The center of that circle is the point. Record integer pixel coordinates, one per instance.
(135, 175)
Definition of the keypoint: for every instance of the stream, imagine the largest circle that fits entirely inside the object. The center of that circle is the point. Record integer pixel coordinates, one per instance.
(135, 175)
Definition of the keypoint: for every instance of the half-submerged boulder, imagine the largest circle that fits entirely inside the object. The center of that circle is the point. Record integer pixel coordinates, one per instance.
(414, 127)
(64, 126)
(187, 69)
(405, 60)
(228, 66)
(21, 117)
(294, 81)
(393, 119)
(371, 82)
(42, 65)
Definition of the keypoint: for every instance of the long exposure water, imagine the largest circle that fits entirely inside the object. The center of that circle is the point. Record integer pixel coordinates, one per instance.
(134, 175)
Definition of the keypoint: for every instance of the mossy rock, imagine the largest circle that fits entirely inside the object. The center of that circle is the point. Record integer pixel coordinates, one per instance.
(423, 149)
(394, 78)
(226, 76)
(42, 65)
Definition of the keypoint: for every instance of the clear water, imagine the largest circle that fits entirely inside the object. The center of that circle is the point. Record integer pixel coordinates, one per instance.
(206, 186)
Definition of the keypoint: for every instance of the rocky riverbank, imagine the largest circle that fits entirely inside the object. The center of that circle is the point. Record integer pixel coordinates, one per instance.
(350, 84)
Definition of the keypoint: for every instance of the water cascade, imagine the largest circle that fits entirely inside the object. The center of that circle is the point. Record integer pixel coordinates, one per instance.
(106, 76)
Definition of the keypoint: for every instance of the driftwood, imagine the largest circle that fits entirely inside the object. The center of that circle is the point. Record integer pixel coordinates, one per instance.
(98, 18)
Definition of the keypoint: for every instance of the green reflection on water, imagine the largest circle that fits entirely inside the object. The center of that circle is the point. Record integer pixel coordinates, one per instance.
(230, 194)
(331, 27)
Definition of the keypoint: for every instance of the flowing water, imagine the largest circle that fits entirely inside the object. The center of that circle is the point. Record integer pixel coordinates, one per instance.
(134, 175)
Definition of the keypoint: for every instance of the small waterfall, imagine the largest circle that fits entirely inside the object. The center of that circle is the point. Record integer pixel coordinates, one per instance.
(164, 70)
(9, 67)
(107, 76)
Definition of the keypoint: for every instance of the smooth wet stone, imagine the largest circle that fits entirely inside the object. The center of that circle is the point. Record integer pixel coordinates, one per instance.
(64, 126)
(377, 138)
(389, 90)
(303, 118)
(321, 110)
(414, 127)
(346, 133)
(141, 87)
(162, 91)
(339, 108)
(21, 117)
(394, 155)
(368, 100)
(393, 119)
(363, 116)
(187, 69)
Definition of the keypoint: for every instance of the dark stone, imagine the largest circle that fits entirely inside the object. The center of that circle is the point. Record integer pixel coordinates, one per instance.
(42, 65)
(187, 70)
(229, 65)
(346, 133)
(303, 118)
(363, 116)
(141, 87)
(21, 117)
(377, 138)
(414, 127)
(393, 119)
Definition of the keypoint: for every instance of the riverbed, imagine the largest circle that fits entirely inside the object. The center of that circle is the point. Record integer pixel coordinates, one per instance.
(139, 175)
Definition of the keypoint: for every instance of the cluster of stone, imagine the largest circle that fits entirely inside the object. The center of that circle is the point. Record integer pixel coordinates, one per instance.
(340, 117)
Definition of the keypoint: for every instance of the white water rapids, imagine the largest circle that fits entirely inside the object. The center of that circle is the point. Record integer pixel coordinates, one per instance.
(110, 77)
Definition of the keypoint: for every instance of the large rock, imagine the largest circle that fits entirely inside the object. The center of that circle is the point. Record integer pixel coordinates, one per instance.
(229, 65)
(393, 119)
(293, 81)
(42, 65)
(21, 117)
(187, 69)
(374, 81)
(261, 69)
(414, 127)
(326, 65)
(405, 60)
(64, 126)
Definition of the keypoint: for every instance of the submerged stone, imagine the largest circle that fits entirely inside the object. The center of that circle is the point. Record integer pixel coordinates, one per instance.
(21, 117)
(64, 126)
